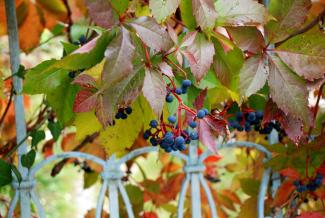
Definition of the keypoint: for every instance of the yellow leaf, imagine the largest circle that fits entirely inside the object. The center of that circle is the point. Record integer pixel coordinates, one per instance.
(96, 71)
(248, 209)
(86, 124)
(122, 135)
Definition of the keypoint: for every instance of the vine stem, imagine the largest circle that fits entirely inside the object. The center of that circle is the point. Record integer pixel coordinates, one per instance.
(7, 107)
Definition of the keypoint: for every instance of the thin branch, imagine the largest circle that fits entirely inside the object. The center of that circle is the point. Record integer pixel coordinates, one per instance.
(7, 107)
(304, 29)
(69, 20)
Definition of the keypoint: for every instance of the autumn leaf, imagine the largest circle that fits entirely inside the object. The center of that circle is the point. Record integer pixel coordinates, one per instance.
(205, 13)
(247, 38)
(152, 34)
(311, 215)
(101, 12)
(85, 101)
(118, 56)
(287, 90)
(253, 75)
(200, 55)
(161, 9)
(305, 54)
(290, 173)
(154, 90)
(240, 13)
(283, 193)
(290, 16)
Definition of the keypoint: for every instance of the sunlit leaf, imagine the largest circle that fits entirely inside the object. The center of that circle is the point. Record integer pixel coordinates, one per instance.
(161, 9)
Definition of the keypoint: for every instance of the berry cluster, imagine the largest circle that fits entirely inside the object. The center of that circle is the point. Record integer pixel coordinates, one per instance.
(312, 185)
(252, 120)
(123, 113)
(170, 135)
(183, 90)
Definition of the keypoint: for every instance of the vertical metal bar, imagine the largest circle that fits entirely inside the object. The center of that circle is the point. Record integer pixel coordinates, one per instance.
(18, 100)
(100, 200)
(113, 199)
(195, 183)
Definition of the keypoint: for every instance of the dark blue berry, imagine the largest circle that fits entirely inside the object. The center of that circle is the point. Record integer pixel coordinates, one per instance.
(247, 127)
(172, 119)
(192, 124)
(259, 114)
(123, 115)
(118, 115)
(184, 90)
(153, 123)
(146, 134)
(128, 110)
(169, 98)
(194, 136)
(200, 114)
(179, 140)
(168, 149)
(302, 188)
(178, 91)
(206, 111)
(296, 183)
(240, 128)
(82, 39)
(188, 141)
(72, 74)
(239, 115)
(251, 116)
(186, 83)
(182, 147)
(153, 142)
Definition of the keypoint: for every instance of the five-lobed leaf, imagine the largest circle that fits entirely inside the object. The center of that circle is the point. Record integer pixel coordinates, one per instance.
(288, 90)
(152, 34)
(240, 13)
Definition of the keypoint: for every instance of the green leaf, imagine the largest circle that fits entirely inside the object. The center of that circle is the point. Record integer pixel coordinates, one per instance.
(69, 47)
(288, 90)
(90, 179)
(17, 173)
(250, 186)
(120, 5)
(278, 162)
(161, 9)
(290, 16)
(55, 129)
(62, 98)
(58, 29)
(248, 208)
(37, 136)
(187, 14)
(305, 54)
(5, 173)
(227, 66)
(253, 75)
(240, 12)
(55, 6)
(27, 160)
(204, 13)
(49, 74)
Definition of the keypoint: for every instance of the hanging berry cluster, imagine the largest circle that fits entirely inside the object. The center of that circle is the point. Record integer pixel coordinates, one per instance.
(310, 185)
(248, 120)
(172, 135)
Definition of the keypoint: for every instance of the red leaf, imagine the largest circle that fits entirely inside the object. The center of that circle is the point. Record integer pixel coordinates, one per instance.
(311, 215)
(291, 173)
(321, 169)
(101, 12)
(149, 215)
(48, 148)
(199, 101)
(85, 101)
(283, 193)
(206, 135)
(85, 81)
